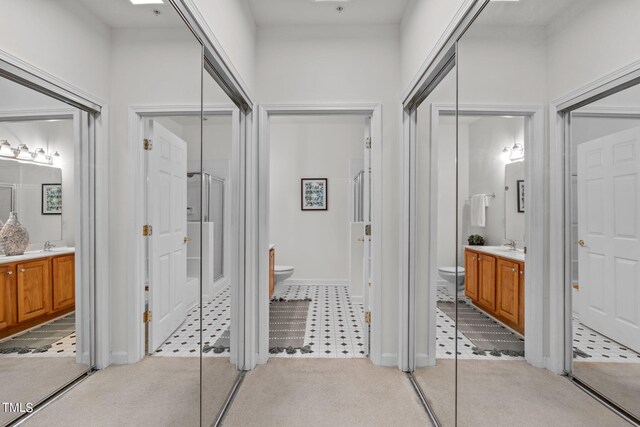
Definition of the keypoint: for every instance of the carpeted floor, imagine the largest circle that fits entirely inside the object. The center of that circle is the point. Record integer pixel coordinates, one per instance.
(157, 391)
(494, 393)
(31, 379)
(325, 392)
(620, 382)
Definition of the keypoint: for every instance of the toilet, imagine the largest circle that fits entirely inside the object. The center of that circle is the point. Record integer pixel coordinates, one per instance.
(449, 274)
(282, 273)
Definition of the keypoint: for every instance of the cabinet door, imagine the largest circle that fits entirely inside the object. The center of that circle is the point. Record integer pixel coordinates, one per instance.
(520, 327)
(471, 275)
(7, 296)
(487, 281)
(508, 292)
(34, 289)
(64, 287)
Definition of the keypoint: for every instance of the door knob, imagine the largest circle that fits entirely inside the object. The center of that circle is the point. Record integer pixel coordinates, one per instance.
(187, 239)
(22, 270)
(360, 239)
(513, 269)
(9, 273)
(581, 242)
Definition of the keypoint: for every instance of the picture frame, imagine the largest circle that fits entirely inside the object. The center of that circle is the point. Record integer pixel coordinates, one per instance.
(51, 199)
(314, 194)
(520, 185)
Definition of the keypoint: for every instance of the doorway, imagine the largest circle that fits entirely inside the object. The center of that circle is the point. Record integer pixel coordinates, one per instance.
(335, 304)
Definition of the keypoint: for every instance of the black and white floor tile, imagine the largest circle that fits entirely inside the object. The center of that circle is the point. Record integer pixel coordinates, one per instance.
(185, 341)
(599, 347)
(334, 324)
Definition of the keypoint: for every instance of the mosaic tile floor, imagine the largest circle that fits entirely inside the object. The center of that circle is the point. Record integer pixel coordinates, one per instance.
(334, 324)
(185, 341)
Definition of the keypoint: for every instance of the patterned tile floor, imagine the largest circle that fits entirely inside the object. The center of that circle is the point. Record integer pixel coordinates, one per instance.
(334, 324)
(65, 347)
(185, 341)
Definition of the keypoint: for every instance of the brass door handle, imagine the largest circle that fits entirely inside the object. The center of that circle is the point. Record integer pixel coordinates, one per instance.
(581, 242)
(187, 239)
(576, 286)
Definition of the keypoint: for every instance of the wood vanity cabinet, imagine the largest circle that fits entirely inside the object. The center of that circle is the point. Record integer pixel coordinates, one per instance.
(64, 281)
(471, 275)
(272, 266)
(496, 285)
(35, 291)
(8, 316)
(487, 281)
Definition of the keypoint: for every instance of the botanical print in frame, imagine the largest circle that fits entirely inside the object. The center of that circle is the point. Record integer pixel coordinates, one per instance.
(51, 199)
(520, 195)
(314, 194)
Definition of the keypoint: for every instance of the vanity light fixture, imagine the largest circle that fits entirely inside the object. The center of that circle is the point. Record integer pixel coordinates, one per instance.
(6, 150)
(517, 152)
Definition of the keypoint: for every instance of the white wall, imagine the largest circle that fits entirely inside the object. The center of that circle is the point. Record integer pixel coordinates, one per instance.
(232, 24)
(423, 24)
(487, 137)
(79, 55)
(324, 64)
(315, 243)
(446, 232)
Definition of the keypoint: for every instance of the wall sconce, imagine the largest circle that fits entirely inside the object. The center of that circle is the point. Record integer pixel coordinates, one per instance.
(513, 153)
(24, 153)
(6, 150)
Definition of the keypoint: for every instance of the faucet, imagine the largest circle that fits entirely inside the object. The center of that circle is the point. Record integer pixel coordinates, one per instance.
(511, 244)
(48, 246)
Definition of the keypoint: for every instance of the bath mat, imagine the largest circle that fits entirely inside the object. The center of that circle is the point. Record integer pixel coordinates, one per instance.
(287, 324)
(486, 334)
(40, 339)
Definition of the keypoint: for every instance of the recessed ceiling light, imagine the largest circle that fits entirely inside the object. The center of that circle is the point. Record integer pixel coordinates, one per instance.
(136, 2)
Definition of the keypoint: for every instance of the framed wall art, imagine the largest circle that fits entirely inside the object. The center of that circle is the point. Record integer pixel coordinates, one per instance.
(314, 194)
(51, 199)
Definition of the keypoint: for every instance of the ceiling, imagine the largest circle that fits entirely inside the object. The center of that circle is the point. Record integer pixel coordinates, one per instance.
(309, 12)
(123, 14)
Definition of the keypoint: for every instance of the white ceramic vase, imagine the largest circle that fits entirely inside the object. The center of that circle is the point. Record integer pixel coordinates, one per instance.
(14, 236)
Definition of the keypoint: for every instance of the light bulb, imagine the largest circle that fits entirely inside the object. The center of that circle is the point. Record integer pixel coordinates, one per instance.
(23, 152)
(41, 156)
(6, 150)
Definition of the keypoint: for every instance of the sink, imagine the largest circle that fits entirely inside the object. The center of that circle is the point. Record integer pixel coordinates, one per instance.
(58, 249)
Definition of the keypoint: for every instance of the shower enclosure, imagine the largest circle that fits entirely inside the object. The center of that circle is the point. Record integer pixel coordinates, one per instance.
(213, 194)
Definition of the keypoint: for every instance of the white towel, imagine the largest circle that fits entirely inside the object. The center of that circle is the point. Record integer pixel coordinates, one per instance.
(478, 205)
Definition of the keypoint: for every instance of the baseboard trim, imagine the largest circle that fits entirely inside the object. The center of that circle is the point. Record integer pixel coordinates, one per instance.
(422, 360)
(389, 359)
(119, 358)
(326, 282)
(218, 286)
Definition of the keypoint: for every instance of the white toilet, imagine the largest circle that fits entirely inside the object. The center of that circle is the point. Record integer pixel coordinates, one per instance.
(282, 273)
(449, 274)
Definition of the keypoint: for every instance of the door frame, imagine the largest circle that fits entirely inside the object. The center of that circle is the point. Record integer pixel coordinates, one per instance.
(560, 358)
(136, 218)
(260, 320)
(534, 220)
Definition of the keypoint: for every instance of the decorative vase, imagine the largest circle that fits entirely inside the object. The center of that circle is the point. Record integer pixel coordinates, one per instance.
(14, 236)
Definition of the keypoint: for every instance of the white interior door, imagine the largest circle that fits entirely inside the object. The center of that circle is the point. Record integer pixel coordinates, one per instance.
(167, 249)
(608, 233)
(366, 277)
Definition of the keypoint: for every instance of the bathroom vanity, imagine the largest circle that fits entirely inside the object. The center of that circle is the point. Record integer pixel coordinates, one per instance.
(495, 282)
(35, 287)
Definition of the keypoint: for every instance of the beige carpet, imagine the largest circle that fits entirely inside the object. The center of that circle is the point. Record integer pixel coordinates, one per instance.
(511, 393)
(620, 382)
(159, 391)
(325, 392)
(31, 379)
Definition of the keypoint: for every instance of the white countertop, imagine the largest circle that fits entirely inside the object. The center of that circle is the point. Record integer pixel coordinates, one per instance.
(36, 254)
(501, 251)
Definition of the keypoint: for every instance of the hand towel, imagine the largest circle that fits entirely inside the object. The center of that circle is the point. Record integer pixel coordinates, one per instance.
(478, 205)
